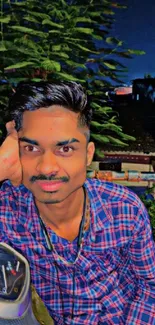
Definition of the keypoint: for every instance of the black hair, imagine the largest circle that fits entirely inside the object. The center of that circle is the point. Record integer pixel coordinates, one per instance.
(30, 96)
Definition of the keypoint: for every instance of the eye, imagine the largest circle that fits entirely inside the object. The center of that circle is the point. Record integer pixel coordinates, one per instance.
(66, 149)
(30, 148)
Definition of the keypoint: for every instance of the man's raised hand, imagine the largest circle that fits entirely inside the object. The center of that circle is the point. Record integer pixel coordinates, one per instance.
(10, 165)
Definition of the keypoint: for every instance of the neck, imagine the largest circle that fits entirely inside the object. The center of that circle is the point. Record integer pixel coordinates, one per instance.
(64, 213)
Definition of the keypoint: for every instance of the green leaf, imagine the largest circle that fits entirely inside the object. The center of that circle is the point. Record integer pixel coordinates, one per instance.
(98, 37)
(54, 31)
(82, 20)
(102, 111)
(110, 66)
(113, 119)
(56, 48)
(100, 138)
(113, 63)
(96, 124)
(38, 14)
(117, 5)
(123, 54)
(30, 31)
(126, 137)
(108, 12)
(5, 20)
(31, 19)
(69, 77)
(108, 126)
(113, 40)
(2, 47)
(83, 30)
(98, 93)
(20, 4)
(40, 311)
(36, 79)
(95, 105)
(28, 43)
(61, 55)
(96, 14)
(85, 49)
(137, 52)
(29, 52)
(51, 65)
(75, 39)
(99, 153)
(75, 64)
(51, 23)
(117, 141)
(19, 65)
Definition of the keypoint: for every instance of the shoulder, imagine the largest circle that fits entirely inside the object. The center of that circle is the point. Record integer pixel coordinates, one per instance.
(116, 207)
(112, 193)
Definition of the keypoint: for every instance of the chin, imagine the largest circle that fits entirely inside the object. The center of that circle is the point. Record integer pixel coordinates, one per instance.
(50, 201)
(47, 197)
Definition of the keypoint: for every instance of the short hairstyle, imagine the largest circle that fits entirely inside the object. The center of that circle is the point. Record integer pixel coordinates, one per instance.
(30, 96)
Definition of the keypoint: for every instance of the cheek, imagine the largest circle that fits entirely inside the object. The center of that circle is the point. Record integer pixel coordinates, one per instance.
(74, 164)
(77, 170)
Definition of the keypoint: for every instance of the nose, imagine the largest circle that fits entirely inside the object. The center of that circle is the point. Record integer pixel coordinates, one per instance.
(47, 164)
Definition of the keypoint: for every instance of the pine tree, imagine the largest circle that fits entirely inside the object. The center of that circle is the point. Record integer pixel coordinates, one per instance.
(64, 40)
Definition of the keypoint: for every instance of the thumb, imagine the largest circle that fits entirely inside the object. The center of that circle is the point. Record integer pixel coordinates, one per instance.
(10, 126)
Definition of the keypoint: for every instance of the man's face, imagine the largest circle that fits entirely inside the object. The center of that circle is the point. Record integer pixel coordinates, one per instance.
(54, 153)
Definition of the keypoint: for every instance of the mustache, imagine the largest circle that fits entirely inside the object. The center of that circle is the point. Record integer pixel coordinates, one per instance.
(49, 178)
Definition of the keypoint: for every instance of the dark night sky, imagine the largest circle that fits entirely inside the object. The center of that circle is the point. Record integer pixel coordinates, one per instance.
(136, 27)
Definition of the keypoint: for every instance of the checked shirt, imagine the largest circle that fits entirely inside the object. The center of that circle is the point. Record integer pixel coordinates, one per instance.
(115, 271)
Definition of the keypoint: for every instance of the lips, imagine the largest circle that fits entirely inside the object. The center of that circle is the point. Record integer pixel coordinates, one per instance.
(49, 185)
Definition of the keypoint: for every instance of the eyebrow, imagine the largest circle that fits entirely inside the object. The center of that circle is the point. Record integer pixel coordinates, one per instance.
(36, 143)
(30, 141)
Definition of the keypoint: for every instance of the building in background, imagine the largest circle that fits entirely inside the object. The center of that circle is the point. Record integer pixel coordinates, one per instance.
(144, 90)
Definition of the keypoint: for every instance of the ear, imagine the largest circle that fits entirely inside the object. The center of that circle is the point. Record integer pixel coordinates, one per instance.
(90, 152)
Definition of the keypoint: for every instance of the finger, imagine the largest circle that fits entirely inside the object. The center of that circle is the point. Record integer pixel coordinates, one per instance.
(10, 126)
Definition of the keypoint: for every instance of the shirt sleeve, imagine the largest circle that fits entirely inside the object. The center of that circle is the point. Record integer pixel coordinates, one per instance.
(141, 311)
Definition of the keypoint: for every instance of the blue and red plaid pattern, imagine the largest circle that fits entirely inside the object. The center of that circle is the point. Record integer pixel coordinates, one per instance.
(115, 272)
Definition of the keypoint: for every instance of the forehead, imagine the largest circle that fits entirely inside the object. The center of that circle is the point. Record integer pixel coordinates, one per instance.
(56, 121)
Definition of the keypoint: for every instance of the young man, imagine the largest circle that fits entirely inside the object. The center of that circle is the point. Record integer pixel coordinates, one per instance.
(88, 242)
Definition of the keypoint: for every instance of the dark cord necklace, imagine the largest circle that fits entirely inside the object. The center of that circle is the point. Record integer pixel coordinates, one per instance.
(51, 248)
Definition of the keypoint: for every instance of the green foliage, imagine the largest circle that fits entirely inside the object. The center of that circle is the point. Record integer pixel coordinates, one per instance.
(63, 40)
(148, 199)
(40, 311)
